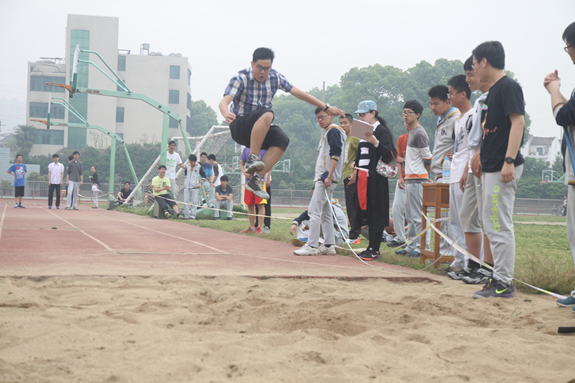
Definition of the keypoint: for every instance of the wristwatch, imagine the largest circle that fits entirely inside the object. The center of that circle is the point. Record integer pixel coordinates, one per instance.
(326, 107)
(510, 160)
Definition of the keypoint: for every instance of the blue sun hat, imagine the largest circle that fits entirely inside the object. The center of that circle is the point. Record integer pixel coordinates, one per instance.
(366, 106)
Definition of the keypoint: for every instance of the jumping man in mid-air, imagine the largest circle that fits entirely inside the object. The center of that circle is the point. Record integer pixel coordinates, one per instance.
(251, 91)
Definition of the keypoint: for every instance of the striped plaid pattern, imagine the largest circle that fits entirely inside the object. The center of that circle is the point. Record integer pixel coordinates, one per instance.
(250, 94)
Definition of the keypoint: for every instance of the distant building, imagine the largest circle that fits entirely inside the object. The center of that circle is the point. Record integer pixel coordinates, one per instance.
(166, 79)
(545, 148)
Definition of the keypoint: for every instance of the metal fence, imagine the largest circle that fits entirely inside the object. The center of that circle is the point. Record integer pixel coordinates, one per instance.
(285, 197)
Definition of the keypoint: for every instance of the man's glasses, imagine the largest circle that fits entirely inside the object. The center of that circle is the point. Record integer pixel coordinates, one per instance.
(568, 46)
(407, 113)
(319, 118)
(263, 69)
(474, 64)
(449, 95)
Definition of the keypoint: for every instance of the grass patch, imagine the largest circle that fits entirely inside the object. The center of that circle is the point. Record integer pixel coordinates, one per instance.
(543, 256)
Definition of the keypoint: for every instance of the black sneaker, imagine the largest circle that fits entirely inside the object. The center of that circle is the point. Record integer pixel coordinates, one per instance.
(254, 164)
(459, 275)
(369, 255)
(395, 244)
(477, 277)
(255, 185)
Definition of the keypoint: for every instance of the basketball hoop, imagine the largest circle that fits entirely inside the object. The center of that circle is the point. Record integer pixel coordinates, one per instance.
(69, 87)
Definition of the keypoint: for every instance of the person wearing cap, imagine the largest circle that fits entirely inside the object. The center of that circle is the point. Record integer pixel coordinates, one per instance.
(372, 188)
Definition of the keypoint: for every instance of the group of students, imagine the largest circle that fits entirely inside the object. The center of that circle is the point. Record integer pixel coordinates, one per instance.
(488, 134)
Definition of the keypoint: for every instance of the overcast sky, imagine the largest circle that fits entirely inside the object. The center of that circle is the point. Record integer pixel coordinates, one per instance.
(314, 41)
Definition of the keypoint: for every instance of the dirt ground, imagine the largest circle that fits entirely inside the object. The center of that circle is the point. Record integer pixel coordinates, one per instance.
(198, 329)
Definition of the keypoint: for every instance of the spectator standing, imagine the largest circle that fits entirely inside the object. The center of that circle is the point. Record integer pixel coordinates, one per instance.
(398, 209)
(564, 112)
(74, 180)
(216, 168)
(95, 186)
(350, 187)
(18, 170)
(194, 177)
(250, 198)
(56, 177)
(267, 206)
(224, 198)
(208, 185)
(173, 164)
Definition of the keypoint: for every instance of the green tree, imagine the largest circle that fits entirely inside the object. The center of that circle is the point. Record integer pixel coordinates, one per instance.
(203, 117)
(25, 135)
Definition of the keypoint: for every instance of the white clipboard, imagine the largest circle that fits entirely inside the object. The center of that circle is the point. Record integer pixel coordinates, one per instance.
(359, 128)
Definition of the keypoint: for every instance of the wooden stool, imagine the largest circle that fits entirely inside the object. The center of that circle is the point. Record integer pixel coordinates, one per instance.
(436, 196)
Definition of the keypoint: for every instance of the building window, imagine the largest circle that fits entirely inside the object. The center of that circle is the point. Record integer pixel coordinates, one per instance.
(189, 102)
(174, 97)
(121, 63)
(121, 135)
(80, 100)
(49, 137)
(120, 114)
(540, 151)
(40, 110)
(175, 72)
(189, 77)
(38, 83)
(174, 124)
(77, 137)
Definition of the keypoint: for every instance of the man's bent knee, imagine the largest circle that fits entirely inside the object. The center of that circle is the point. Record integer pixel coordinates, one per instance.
(267, 118)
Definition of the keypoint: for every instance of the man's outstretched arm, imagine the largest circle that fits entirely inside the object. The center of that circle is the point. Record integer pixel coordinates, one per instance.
(224, 108)
(301, 95)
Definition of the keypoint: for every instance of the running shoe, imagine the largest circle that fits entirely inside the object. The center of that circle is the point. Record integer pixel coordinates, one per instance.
(266, 229)
(94, 207)
(324, 250)
(395, 244)
(566, 302)
(353, 241)
(229, 218)
(414, 254)
(259, 230)
(67, 208)
(249, 230)
(254, 164)
(58, 207)
(495, 289)
(306, 250)
(477, 277)
(369, 255)
(16, 206)
(22, 206)
(401, 252)
(49, 207)
(297, 242)
(255, 185)
(459, 275)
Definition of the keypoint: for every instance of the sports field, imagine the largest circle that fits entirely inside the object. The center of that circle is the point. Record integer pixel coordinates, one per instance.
(96, 296)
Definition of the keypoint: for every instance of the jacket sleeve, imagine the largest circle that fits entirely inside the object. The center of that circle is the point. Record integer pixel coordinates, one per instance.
(302, 217)
(335, 144)
(565, 113)
(202, 173)
(385, 147)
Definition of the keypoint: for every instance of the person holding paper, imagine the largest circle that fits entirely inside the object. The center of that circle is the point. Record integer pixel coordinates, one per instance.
(373, 189)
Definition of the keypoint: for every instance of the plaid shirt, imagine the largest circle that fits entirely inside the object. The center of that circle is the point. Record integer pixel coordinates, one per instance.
(250, 94)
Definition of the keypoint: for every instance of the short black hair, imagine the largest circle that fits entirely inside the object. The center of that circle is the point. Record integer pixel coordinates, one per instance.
(468, 64)
(224, 178)
(318, 110)
(460, 85)
(161, 167)
(70, 158)
(492, 51)
(171, 142)
(569, 34)
(414, 105)
(193, 157)
(19, 155)
(438, 91)
(204, 154)
(126, 182)
(348, 117)
(263, 54)
(212, 157)
(55, 155)
(76, 152)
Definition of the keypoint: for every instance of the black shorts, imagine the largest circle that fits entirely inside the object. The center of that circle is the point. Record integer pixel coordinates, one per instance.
(241, 129)
(18, 191)
(164, 202)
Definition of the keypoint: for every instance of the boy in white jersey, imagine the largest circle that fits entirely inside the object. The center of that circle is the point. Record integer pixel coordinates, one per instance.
(173, 163)
(459, 95)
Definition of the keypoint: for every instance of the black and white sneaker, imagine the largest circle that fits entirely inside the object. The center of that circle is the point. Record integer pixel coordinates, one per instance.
(459, 275)
(255, 185)
(477, 277)
(254, 164)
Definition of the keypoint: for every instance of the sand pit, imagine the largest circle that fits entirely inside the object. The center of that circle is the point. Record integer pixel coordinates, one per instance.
(184, 329)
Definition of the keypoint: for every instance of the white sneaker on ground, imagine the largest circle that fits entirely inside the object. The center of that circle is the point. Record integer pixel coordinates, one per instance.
(306, 250)
(324, 250)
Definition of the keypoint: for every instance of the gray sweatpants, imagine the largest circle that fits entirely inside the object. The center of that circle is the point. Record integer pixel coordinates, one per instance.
(413, 208)
(210, 193)
(174, 187)
(398, 212)
(455, 201)
(468, 213)
(223, 205)
(95, 197)
(73, 190)
(191, 196)
(571, 222)
(321, 215)
(498, 201)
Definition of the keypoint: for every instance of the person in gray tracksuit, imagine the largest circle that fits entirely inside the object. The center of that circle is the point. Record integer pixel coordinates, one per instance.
(194, 177)
(74, 180)
(328, 171)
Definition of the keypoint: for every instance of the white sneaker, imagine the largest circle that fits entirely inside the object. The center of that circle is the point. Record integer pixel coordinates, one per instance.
(324, 250)
(306, 250)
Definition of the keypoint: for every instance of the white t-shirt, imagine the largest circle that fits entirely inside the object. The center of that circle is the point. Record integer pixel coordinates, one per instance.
(55, 172)
(172, 162)
(220, 174)
(460, 150)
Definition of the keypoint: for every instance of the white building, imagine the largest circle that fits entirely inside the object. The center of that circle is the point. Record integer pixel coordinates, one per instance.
(165, 79)
(545, 148)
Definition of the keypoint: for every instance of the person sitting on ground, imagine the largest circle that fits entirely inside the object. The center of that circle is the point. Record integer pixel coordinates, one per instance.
(224, 198)
(162, 188)
(301, 225)
(124, 194)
